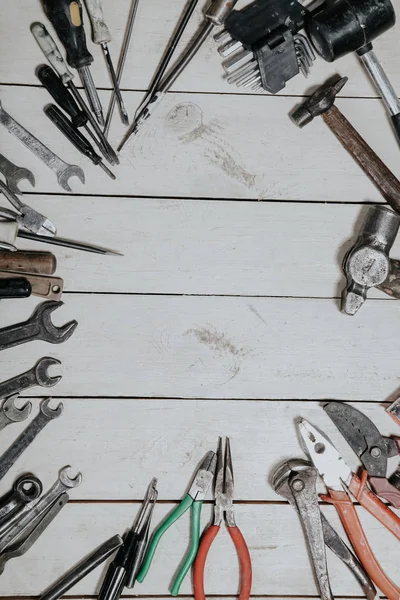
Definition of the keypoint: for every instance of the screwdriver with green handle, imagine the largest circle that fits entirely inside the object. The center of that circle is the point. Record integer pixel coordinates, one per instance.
(66, 18)
(194, 500)
(101, 35)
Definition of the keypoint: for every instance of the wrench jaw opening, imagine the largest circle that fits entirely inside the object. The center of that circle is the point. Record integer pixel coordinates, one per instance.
(19, 175)
(49, 332)
(66, 480)
(70, 171)
(13, 413)
(51, 413)
(41, 371)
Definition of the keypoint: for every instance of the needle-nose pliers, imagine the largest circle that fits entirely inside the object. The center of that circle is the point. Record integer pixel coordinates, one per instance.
(224, 487)
(194, 499)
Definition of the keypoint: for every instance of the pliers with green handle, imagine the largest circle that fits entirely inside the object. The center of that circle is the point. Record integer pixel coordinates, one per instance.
(194, 499)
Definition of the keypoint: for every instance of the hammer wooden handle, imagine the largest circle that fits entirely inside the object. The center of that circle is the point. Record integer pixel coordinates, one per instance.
(383, 178)
(40, 263)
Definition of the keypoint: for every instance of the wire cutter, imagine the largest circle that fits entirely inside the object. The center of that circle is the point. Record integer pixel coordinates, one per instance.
(379, 455)
(194, 500)
(340, 480)
(26, 216)
(224, 486)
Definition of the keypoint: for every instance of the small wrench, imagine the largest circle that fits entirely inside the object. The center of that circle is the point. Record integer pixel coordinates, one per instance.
(22, 442)
(38, 327)
(9, 413)
(26, 489)
(63, 170)
(29, 218)
(14, 174)
(37, 375)
(63, 484)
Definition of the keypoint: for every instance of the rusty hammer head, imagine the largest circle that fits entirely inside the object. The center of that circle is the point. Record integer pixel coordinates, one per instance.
(319, 103)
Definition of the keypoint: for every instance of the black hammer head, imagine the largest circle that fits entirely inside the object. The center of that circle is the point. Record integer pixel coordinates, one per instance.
(317, 104)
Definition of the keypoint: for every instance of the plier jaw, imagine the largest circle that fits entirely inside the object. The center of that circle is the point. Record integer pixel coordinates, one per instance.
(204, 477)
(224, 486)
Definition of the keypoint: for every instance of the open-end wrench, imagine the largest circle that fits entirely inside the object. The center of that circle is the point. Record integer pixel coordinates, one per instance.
(29, 218)
(37, 375)
(10, 413)
(46, 414)
(38, 327)
(14, 174)
(63, 170)
(33, 533)
(63, 484)
(25, 489)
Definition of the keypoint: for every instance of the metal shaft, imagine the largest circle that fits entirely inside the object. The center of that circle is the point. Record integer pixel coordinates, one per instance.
(381, 81)
(110, 153)
(91, 93)
(122, 109)
(121, 61)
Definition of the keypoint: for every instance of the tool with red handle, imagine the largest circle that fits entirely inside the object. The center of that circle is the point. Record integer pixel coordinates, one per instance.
(341, 482)
(224, 486)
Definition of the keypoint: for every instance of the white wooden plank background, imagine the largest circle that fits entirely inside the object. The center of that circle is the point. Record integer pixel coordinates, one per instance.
(221, 317)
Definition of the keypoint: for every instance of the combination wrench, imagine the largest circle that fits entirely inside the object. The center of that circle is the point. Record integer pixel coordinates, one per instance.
(9, 413)
(26, 489)
(14, 174)
(62, 169)
(37, 375)
(46, 414)
(63, 484)
(38, 327)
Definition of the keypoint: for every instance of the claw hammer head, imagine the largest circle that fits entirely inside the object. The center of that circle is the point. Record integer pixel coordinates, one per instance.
(319, 103)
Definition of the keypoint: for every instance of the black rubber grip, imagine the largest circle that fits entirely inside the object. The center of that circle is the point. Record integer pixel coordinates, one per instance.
(15, 288)
(66, 18)
(71, 132)
(396, 125)
(61, 94)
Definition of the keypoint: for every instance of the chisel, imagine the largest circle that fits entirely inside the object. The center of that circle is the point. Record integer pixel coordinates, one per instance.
(101, 35)
(66, 18)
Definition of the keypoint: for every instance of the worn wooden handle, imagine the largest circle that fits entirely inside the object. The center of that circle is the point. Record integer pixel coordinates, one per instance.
(383, 178)
(40, 263)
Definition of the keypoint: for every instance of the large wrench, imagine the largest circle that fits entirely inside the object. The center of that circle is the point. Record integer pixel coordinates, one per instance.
(62, 169)
(14, 174)
(45, 415)
(63, 484)
(38, 327)
(9, 413)
(37, 375)
(26, 489)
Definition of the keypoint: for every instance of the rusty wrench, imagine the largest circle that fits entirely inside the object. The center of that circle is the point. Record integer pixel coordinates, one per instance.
(9, 413)
(11, 455)
(37, 327)
(63, 170)
(37, 375)
(14, 174)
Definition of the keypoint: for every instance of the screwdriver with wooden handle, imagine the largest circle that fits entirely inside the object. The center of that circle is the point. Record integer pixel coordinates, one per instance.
(66, 18)
(39, 263)
(101, 35)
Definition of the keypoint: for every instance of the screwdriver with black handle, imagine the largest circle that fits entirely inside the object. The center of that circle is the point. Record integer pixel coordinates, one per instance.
(73, 134)
(15, 288)
(66, 18)
(101, 35)
(55, 58)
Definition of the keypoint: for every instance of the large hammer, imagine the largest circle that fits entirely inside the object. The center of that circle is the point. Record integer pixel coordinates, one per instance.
(321, 103)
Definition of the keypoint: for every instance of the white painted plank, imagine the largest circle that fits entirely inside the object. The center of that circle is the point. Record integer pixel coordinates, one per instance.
(213, 347)
(138, 439)
(211, 146)
(273, 533)
(204, 247)
(155, 22)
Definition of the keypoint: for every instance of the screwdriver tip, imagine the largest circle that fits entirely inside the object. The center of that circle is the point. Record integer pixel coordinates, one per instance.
(114, 253)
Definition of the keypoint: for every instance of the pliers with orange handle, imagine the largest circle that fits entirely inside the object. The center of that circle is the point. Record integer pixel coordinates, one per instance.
(341, 482)
(223, 491)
